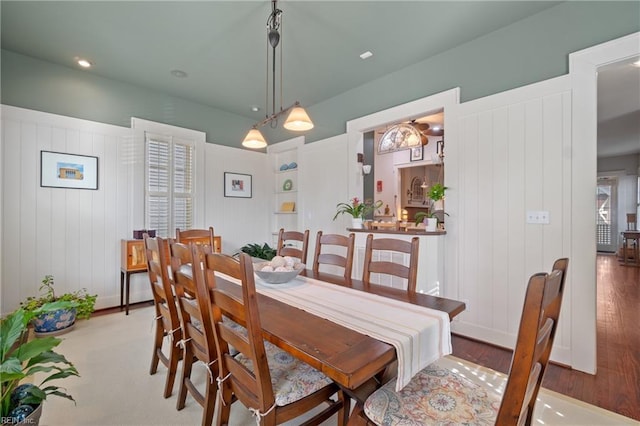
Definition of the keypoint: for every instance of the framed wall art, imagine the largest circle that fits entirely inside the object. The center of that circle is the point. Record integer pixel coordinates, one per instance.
(416, 153)
(237, 185)
(61, 170)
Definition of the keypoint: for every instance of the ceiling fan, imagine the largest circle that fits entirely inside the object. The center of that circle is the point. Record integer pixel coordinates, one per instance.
(426, 129)
(423, 129)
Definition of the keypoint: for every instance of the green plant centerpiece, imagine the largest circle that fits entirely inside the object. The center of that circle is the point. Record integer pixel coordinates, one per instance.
(21, 358)
(356, 208)
(259, 251)
(81, 305)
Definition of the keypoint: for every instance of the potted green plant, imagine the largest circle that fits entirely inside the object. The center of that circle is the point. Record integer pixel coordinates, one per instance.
(21, 358)
(259, 251)
(429, 220)
(81, 305)
(357, 210)
(436, 193)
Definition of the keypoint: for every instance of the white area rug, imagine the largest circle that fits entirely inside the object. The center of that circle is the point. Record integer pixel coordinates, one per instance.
(113, 353)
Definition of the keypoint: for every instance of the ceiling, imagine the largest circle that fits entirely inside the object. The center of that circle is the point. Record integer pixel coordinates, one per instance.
(221, 45)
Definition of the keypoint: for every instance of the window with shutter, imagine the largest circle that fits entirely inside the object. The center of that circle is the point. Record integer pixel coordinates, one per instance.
(169, 191)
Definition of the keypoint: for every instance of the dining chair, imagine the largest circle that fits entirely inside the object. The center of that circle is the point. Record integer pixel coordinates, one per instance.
(437, 395)
(198, 341)
(167, 321)
(271, 383)
(286, 248)
(197, 236)
(326, 258)
(374, 263)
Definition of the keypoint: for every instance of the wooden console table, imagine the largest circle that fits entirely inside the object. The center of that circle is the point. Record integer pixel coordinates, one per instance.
(134, 261)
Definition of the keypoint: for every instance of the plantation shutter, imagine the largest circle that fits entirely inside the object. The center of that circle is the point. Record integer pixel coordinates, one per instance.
(169, 192)
(182, 186)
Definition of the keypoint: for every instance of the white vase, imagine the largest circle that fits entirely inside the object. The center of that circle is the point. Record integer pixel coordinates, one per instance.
(432, 224)
(356, 223)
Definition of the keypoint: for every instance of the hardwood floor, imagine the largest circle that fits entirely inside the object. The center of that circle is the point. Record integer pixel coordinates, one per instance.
(616, 386)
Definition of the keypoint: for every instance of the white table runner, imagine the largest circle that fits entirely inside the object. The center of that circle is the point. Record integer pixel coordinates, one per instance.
(420, 335)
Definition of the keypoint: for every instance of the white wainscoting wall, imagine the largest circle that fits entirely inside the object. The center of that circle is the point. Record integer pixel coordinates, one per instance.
(75, 234)
(71, 234)
(238, 220)
(324, 175)
(513, 156)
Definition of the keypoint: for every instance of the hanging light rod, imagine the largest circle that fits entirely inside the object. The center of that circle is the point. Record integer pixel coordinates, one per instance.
(298, 119)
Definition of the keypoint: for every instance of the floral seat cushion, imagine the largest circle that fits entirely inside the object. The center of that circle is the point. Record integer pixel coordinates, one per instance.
(435, 396)
(291, 378)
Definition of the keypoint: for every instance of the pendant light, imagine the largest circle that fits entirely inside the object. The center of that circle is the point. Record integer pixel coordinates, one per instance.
(298, 119)
(254, 139)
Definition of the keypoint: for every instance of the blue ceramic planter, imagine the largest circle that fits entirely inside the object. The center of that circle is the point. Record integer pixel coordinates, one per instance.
(55, 321)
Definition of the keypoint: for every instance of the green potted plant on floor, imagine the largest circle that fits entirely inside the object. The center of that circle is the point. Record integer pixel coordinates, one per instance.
(21, 358)
(53, 321)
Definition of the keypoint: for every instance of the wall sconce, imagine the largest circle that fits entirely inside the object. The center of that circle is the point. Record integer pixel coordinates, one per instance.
(440, 149)
(366, 168)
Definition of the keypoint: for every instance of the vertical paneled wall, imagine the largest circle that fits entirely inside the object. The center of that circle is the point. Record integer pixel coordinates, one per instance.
(514, 154)
(69, 233)
(239, 221)
(75, 234)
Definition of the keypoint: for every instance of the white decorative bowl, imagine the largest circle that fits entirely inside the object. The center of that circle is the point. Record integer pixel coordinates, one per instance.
(277, 277)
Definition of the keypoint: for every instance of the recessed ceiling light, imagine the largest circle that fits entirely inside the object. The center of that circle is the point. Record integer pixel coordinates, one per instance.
(636, 63)
(179, 74)
(366, 55)
(255, 108)
(84, 63)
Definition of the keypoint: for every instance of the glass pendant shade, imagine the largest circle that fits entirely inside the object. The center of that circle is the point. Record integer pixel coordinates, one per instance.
(298, 120)
(254, 140)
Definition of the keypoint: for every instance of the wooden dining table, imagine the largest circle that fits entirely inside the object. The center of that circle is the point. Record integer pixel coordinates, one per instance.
(356, 362)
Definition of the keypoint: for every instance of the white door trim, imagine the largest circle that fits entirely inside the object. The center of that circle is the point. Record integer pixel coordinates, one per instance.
(583, 67)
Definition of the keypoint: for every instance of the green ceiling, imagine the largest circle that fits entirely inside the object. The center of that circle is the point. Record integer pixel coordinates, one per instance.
(420, 48)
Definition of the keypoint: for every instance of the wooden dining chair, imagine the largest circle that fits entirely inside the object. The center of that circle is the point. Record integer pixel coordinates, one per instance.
(271, 383)
(373, 262)
(437, 395)
(198, 341)
(286, 248)
(334, 240)
(197, 236)
(167, 321)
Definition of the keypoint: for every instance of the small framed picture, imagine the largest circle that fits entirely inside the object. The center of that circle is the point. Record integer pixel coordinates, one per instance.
(416, 153)
(60, 170)
(237, 185)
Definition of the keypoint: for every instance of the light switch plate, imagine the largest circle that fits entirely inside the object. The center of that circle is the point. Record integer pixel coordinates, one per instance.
(538, 217)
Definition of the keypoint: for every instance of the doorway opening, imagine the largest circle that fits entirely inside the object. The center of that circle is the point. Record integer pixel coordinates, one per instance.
(606, 214)
(618, 168)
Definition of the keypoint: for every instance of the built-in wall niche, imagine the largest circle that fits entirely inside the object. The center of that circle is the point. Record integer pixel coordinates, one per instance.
(414, 187)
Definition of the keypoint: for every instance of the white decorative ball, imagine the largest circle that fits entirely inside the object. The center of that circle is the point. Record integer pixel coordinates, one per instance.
(278, 261)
